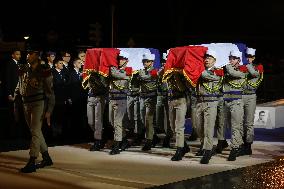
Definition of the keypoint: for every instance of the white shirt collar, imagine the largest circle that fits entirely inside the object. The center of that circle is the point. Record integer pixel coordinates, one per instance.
(58, 70)
(15, 61)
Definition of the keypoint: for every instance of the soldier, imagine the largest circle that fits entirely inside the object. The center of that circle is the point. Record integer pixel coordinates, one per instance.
(35, 85)
(233, 89)
(193, 102)
(162, 108)
(133, 109)
(148, 97)
(177, 89)
(220, 126)
(254, 78)
(97, 96)
(208, 91)
(118, 100)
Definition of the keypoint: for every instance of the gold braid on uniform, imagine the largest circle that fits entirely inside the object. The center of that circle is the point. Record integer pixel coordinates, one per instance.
(214, 88)
(149, 87)
(118, 86)
(256, 84)
(237, 85)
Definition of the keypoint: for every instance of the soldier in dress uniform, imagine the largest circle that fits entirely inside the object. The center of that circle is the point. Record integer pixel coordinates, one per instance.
(98, 90)
(208, 91)
(254, 78)
(148, 97)
(118, 100)
(232, 90)
(162, 108)
(133, 109)
(193, 102)
(177, 101)
(220, 126)
(35, 86)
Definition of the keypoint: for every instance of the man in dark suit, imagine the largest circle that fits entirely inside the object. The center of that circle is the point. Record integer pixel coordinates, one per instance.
(12, 76)
(77, 98)
(60, 92)
(10, 82)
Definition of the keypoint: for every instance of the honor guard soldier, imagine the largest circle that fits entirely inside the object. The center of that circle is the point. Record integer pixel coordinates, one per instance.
(98, 86)
(133, 109)
(148, 97)
(232, 90)
(208, 91)
(177, 90)
(254, 78)
(162, 108)
(118, 100)
(35, 86)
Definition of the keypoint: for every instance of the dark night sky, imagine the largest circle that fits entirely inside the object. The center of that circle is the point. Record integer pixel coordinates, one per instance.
(160, 24)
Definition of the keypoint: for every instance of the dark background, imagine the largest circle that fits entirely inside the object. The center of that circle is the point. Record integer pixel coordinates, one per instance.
(157, 24)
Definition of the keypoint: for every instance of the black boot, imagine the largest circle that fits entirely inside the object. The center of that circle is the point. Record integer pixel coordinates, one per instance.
(115, 148)
(233, 154)
(248, 150)
(242, 150)
(147, 145)
(124, 144)
(156, 140)
(222, 144)
(206, 157)
(46, 161)
(167, 142)
(178, 155)
(96, 146)
(30, 166)
(185, 148)
(200, 152)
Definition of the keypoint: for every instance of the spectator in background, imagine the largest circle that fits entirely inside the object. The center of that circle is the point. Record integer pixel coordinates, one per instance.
(77, 99)
(10, 82)
(50, 56)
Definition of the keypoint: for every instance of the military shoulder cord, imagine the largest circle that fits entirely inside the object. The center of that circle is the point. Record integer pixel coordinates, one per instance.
(214, 88)
(118, 86)
(150, 88)
(256, 84)
(237, 85)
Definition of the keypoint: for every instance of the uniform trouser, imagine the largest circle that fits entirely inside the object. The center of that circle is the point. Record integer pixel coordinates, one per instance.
(193, 102)
(220, 121)
(117, 113)
(34, 113)
(147, 111)
(162, 115)
(206, 113)
(133, 113)
(249, 110)
(177, 109)
(235, 111)
(95, 112)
